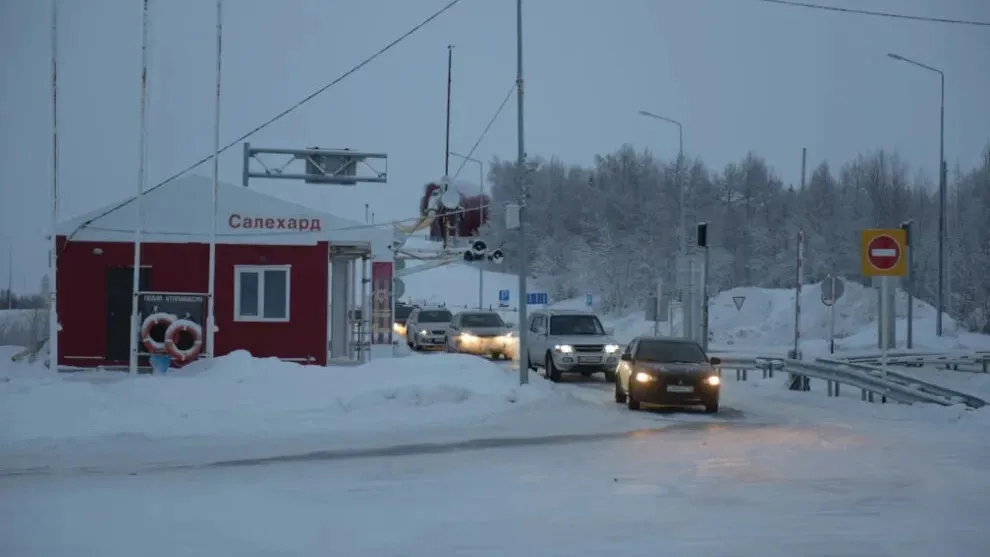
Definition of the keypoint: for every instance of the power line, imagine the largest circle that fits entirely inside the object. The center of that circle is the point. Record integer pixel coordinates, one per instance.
(282, 114)
(890, 15)
(491, 122)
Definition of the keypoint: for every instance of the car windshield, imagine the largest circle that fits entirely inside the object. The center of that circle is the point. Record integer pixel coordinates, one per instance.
(402, 311)
(670, 352)
(481, 320)
(575, 325)
(435, 316)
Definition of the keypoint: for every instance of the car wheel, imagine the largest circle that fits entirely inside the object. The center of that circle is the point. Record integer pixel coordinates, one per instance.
(552, 372)
(631, 402)
(711, 407)
(620, 396)
(609, 376)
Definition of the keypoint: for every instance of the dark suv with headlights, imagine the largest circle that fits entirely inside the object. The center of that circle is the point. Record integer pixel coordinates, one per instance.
(667, 371)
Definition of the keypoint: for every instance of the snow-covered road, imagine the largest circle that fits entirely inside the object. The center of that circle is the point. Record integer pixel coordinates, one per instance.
(697, 489)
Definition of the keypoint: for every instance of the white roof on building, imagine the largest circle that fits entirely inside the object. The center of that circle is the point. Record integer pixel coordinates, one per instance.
(180, 212)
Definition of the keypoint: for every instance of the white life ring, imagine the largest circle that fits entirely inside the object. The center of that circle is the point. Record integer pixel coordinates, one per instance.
(155, 346)
(172, 336)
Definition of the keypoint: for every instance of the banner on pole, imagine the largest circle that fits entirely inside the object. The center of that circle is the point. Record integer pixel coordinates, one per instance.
(381, 302)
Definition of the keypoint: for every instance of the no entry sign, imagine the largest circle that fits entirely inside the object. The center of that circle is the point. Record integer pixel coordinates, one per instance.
(883, 252)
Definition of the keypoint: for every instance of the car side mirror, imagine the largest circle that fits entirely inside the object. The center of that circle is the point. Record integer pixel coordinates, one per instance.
(510, 325)
(626, 357)
(610, 331)
(715, 360)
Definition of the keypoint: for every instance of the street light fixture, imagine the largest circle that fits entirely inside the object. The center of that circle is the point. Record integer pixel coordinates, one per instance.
(942, 190)
(680, 182)
(481, 183)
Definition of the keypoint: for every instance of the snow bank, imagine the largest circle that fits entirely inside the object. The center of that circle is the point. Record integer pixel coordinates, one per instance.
(766, 321)
(238, 395)
(239, 407)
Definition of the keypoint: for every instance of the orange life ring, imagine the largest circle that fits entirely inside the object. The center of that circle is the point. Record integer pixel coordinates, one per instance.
(155, 346)
(172, 337)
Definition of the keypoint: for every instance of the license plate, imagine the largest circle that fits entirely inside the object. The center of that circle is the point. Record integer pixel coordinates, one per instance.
(680, 389)
(589, 359)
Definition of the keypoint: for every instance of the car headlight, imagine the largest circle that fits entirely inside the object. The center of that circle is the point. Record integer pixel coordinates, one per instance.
(644, 377)
(467, 337)
(564, 348)
(423, 333)
(713, 380)
(611, 348)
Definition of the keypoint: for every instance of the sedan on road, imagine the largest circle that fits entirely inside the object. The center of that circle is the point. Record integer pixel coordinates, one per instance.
(667, 371)
(482, 333)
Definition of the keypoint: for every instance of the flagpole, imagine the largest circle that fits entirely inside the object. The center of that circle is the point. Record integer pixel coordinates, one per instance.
(210, 310)
(53, 232)
(142, 155)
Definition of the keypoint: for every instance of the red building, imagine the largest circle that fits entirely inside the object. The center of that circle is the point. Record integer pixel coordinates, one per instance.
(284, 282)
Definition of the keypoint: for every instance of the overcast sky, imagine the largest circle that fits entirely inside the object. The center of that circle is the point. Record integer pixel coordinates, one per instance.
(740, 74)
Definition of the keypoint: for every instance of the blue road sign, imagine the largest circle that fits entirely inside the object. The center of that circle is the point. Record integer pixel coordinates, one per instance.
(503, 295)
(588, 299)
(537, 299)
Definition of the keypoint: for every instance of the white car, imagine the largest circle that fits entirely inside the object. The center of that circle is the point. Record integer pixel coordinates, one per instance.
(480, 332)
(427, 327)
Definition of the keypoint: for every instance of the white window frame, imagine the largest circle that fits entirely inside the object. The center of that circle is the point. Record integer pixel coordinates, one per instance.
(260, 270)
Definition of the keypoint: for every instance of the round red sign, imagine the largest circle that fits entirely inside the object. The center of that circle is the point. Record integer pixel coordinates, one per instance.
(883, 252)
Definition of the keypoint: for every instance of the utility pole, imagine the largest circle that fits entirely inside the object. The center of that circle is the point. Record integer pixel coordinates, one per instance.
(523, 193)
(687, 294)
(942, 191)
(906, 226)
(53, 232)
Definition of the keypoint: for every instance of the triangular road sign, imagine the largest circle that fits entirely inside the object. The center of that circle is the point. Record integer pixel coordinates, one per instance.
(738, 300)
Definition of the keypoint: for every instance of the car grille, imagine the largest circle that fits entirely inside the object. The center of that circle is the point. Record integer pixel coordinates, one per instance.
(680, 379)
(437, 332)
(487, 335)
(589, 348)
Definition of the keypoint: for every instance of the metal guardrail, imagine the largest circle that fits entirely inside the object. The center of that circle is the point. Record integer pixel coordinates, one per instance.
(951, 360)
(896, 387)
(907, 381)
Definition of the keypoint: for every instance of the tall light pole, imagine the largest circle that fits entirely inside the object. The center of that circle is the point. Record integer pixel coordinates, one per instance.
(942, 190)
(682, 231)
(481, 184)
(521, 177)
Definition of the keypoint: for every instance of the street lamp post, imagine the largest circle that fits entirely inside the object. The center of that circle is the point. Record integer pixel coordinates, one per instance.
(682, 232)
(481, 184)
(942, 187)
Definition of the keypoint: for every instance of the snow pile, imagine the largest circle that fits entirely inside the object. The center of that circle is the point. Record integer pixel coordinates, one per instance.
(237, 395)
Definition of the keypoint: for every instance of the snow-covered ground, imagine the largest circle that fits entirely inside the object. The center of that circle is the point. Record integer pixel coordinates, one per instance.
(700, 490)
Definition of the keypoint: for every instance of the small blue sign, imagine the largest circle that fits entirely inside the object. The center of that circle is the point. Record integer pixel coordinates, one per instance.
(588, 299)
(503, 295)
(537, 299)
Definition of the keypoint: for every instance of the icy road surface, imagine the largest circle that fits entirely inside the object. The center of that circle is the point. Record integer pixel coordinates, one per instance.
(729, 489)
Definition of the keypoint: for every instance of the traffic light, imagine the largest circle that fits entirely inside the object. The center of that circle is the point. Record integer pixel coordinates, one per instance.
(702, 234)
(906, 227)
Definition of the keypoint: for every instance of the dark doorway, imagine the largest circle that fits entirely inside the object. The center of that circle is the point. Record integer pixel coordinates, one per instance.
(120, 280)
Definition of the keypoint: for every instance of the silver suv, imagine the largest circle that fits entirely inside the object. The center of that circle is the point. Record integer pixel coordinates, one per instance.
(567, 341)
(427, 327)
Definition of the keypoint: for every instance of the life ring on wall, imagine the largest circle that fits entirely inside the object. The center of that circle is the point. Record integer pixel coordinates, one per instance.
(172, 338)
(161, 321)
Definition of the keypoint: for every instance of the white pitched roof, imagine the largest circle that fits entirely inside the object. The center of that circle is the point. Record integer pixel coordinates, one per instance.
(179, 212)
